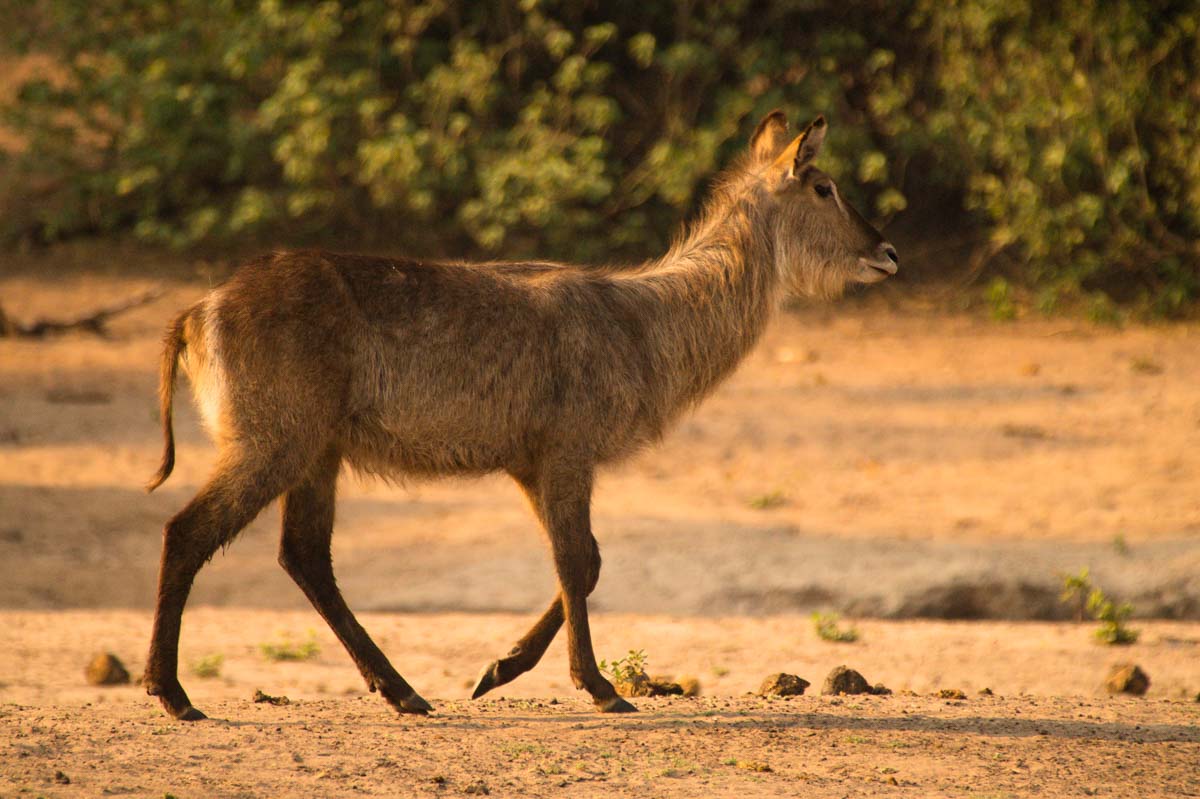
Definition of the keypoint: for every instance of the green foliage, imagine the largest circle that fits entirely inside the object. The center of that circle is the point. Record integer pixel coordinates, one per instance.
(826, 625)
(288, 649)
(1068, 128)
(1112, 619)
(1079, 589)
(208, 666)
(772, 499)
(1076, 588)
(628, 669)
(1066, 131)
(1000, 300)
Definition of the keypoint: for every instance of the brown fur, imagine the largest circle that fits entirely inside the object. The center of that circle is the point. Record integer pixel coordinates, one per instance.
(172, 348)
(404, 367)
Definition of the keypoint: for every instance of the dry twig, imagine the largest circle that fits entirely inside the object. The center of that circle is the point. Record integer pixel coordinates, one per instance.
(95, 322)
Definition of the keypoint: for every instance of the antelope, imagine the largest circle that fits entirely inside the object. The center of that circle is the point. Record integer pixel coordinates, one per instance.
(303, 361)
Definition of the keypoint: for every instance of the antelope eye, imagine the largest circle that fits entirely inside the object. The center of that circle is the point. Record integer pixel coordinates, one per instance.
(823, 189)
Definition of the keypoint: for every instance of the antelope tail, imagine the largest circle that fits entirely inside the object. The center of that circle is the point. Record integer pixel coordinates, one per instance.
(173, 345)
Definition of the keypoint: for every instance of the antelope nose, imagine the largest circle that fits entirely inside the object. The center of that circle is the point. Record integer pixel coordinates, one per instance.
(890, 252)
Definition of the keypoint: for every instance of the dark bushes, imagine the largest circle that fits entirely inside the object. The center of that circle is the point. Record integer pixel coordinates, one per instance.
(1066, 132)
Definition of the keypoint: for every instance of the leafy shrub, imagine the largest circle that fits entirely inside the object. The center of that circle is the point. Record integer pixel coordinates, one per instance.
(1079, 589)
(1112, 618)
(1068, 127)
(769, 500)
(826, 625)
(1065, 131)
(628, 669)
(208, 666)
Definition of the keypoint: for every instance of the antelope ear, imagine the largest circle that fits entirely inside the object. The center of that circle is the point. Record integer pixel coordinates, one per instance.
(801, 151)
(769, 137)
(810, 143)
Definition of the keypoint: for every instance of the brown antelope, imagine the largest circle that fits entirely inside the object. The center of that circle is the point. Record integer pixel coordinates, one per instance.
(303, 361)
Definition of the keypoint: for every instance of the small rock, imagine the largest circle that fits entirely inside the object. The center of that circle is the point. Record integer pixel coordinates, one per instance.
(951, 693)
(986, 692)
(636, 685)
(61, 779)
(879, 689)
(664, 686)
(690, 685)
(106, 669)
(644, 685)
(755, 765)
(260, 697)
(1127, 678)
(478, 788)
(844, 680)
(783, 685)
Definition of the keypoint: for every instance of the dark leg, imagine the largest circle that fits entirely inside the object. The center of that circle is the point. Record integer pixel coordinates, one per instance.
(230, 501)
(305, 554)
(529, 650)
(564, 494)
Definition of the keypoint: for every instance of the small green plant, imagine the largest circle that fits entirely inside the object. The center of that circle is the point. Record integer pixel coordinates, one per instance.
(209, 666)
(1145, 366)
(287, 649)
(1000, 300)
(626, 669)
(773, 499)
(1076, 588)
(1101, 310)
(1120, 545)
(1089, 599)
(826, 625)
(1112, 618)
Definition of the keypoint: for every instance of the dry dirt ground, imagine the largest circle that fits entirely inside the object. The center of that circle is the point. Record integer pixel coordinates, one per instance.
(883, 463)
(1048, 729)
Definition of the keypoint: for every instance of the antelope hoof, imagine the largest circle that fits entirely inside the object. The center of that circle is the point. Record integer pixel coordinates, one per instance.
(412, 704)
(489, 678)
(175, 702)
(614, 704)
(182, 712)
(493, 676)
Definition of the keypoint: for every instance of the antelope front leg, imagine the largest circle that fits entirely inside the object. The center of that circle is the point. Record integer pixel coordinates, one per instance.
(529, 650)
(563, 504)
(525, 655)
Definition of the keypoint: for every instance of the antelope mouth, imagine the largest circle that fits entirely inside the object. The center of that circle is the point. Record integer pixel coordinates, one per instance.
(874, 271)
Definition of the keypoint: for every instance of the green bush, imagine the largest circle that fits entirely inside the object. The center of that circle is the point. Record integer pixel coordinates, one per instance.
(1066, 132)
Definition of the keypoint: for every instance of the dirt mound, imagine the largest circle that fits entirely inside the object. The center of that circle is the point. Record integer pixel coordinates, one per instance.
(783, 685)
(106, 669)
(843, 680)
(1127, 678)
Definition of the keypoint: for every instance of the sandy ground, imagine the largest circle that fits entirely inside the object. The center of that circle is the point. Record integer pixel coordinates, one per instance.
(1048, 730)
(818, 747)
(886, 464)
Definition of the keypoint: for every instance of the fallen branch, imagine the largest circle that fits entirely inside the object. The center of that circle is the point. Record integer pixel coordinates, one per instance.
(95, 322)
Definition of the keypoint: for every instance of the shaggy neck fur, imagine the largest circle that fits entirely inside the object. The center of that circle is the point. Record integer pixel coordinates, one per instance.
(712, 295)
